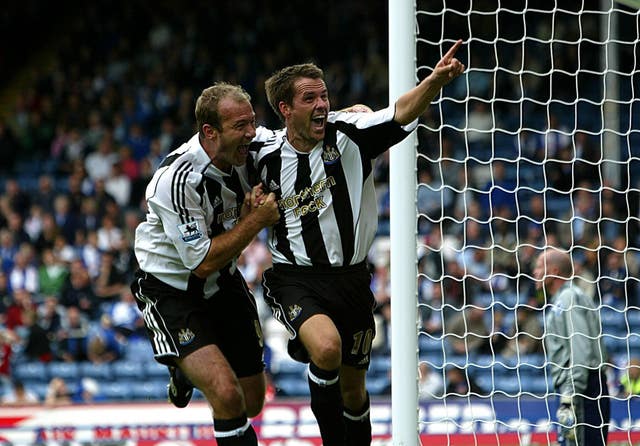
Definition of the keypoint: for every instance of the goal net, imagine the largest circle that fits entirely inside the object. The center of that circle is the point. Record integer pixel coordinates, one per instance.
(537, 145)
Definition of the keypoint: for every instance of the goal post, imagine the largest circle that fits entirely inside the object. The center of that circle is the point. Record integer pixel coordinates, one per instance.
(536, 145)
(403, 270)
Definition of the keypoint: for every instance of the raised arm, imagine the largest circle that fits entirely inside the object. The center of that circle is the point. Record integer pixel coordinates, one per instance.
(414, 102)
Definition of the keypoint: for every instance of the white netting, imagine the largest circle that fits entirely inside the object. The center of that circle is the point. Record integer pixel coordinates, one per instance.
(536, 145)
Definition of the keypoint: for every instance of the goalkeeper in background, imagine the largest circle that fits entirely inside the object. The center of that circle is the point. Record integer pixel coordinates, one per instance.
(575, 352)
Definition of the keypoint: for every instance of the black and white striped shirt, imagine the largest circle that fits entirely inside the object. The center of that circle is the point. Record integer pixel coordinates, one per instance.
(328, 209)
(189, 201)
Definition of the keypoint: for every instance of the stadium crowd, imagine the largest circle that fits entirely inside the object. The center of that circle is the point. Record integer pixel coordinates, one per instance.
(83, 138)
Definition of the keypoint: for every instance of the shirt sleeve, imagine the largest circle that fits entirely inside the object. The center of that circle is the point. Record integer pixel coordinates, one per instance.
(180, 209)
(374, 133)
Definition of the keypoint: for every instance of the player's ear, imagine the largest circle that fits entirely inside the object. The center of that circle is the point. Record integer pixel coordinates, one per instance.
(209, 131)
(284, 108)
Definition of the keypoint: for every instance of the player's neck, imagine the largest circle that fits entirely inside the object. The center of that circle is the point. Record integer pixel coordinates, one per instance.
(300, 144)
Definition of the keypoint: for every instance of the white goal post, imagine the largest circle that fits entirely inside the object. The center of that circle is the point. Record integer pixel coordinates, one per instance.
(536, 145)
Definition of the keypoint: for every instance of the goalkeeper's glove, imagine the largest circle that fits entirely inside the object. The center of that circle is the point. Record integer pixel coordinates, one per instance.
(566, 417)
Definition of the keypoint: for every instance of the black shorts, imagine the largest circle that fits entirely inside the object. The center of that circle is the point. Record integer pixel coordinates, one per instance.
(343, 294)
(178, 323)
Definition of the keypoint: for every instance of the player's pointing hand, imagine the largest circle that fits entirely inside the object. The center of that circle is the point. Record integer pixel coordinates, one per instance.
(449, 67)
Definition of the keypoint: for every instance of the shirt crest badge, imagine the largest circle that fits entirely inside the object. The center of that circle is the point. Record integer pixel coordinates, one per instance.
(185, 336)
(294, 311)
(190, 231)
(216, 202)
(330, 154)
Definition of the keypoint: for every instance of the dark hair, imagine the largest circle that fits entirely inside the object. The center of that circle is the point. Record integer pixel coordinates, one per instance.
(207, 103)
(280, 86)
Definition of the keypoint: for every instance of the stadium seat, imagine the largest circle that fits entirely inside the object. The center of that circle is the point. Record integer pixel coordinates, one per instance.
(510, 385)
(31, 372)
(380, 385)
(429, 344)
(380, 366)
(149, 390)
(614, 344)
(633, 316)
(117, 390)
(69, 371)
(538, 385)
(139, 350)
(154, 370)
(127, 369)
(100, 372)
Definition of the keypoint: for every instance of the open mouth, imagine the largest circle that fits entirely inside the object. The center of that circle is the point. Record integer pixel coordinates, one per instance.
(318, 121)
(243, 149)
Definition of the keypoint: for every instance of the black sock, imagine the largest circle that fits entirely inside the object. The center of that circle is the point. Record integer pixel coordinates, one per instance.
(326, 404)
(235, 432)
(358, 425)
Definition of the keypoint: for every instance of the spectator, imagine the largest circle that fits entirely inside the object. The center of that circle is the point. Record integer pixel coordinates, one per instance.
(8, 249)
(17, 199)
(52, 274)
(526, 335)
(89, 218)
(459, 383)
(50, 314)
(7, 340)
(105, 203)
(99, 162)
(37, 345)
(79, 187)
(430, 382)
(126, 318)
(630, 380)
(467, 332)
(105, 344)
(44, 196)
(58, 393)
(78, 290)
(89, 254)
(47, 237)
(5, 298)
(88, 392)
(66, 220)
(109, 235)
(34, 222)
(18, 395)
(130, 167)
(118, 185)
(110, 280)
(72, 336)
(433, 200)
(21, 304)
(499, 192)
(24, 275)
(15, 224)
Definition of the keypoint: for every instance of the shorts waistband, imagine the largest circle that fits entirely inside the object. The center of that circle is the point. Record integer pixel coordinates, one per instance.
(320, 269)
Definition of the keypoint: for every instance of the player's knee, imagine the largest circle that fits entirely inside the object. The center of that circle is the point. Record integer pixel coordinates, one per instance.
(327, 354)
(226, 398)
(254, 406)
